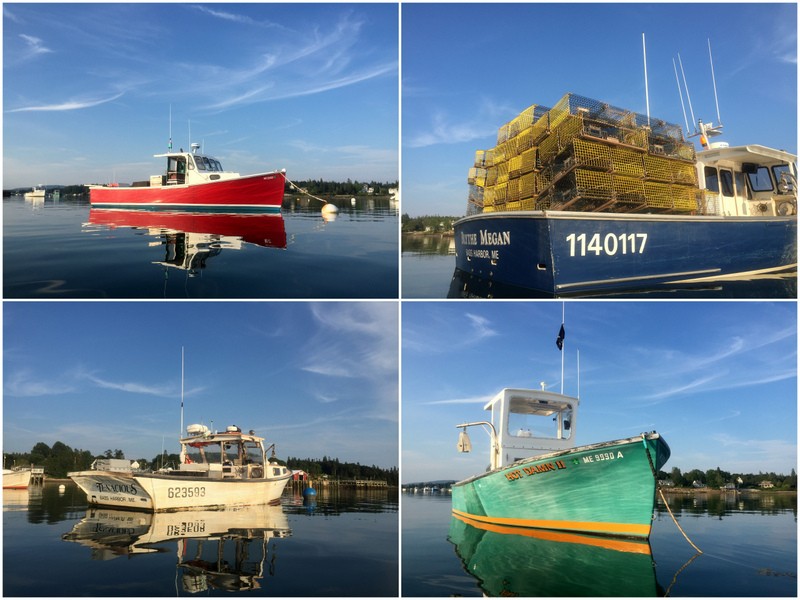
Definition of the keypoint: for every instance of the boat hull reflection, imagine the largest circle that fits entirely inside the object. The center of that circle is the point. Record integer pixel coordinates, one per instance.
(514, 561)
(190, 239)
(215, 549)
(260, 228)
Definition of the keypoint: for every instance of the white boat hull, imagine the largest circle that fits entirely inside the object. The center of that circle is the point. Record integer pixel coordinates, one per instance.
(16, 480)
(113, 488)
(158, 492)
(180, 493)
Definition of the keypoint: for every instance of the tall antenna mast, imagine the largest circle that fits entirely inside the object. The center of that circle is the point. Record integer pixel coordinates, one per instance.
(181, 431)
(169, 147)
(680, 93)
(714, 81)
(688, 98)
(646, 92)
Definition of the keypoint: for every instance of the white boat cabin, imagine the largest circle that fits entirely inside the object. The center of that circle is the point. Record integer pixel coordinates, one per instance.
(190, 168)
(228, 454)
(748, 181)
(526, 423)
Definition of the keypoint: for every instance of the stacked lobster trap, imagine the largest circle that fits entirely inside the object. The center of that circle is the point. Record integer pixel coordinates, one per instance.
(585, 155)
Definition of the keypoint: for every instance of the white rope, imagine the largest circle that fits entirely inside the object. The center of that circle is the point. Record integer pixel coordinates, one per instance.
(291, 183)
(676, 522)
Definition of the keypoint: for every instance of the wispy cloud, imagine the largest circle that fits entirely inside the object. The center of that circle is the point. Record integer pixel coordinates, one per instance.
(25, 384)
(71, 105)
(444, 131)
(481, 326)
(236, 17)
(35, 46)
(131, 386)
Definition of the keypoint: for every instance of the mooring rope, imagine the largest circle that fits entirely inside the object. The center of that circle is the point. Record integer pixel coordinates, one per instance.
(291, 183)
(661, 493)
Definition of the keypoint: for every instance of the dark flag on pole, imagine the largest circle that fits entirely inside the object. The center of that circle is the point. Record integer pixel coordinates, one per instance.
(560, 338)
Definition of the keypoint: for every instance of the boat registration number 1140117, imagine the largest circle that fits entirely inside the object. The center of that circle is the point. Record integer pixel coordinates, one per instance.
(609, 245)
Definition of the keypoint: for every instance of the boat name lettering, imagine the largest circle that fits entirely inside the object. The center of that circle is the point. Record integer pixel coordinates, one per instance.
(495, 238)
(535, 470)
(118, 488)
(609, 245)
(603, 456)
(186, 527)
(186, 492)
(469, 239)
(487, 238)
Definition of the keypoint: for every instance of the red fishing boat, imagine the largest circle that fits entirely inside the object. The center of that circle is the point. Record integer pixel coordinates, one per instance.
(196, 181)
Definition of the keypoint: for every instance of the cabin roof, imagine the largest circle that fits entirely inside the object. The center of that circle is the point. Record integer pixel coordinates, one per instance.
(533, 402)
(180, 154)
(750, 153)
(216, 438)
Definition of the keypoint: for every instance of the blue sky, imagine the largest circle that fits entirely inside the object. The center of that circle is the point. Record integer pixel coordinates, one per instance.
(717, 379)
(467, 69)
(312, 88)
(315, 378)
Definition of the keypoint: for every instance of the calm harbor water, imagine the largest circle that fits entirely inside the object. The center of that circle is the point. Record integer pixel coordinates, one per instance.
(62, 249)
(749, 544)
(344, 544)
(428, 267)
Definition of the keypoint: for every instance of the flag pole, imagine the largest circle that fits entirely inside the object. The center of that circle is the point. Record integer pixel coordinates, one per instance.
(562, 349)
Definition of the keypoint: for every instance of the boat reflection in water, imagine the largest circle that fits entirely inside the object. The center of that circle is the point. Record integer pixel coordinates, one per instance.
(191, 238)
(515, 561)
(215, 549)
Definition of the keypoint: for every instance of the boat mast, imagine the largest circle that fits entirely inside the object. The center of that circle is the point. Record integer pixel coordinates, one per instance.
(169, 147)
(561, 337)
(646, 92)
(714, 81)
(180, 433)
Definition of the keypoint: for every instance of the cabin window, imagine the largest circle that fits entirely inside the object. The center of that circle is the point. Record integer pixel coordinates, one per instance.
(741, 188)
(779, 170)
(760, 180)
(542, 426)
(201, 166)
(726, 179)
(712, 179)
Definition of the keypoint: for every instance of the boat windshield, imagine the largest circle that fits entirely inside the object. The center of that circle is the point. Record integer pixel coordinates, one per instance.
(206, 163)
(234, 453)
(552, 424)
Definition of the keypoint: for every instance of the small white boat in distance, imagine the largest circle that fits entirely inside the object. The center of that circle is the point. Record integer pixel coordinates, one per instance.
(16, 479)
(217, 470)
(36, 193)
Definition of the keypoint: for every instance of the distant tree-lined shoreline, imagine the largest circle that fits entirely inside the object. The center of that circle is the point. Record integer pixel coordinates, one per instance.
(60, 459)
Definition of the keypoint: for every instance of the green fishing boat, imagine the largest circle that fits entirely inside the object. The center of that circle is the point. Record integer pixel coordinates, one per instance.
(538, 478)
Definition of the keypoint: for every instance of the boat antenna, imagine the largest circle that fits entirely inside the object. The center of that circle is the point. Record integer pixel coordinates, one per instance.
(579, 372)
(169, 147)
(680, 93)
(688, 98)
(646, 92)
(714, 81)
(180, 433)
